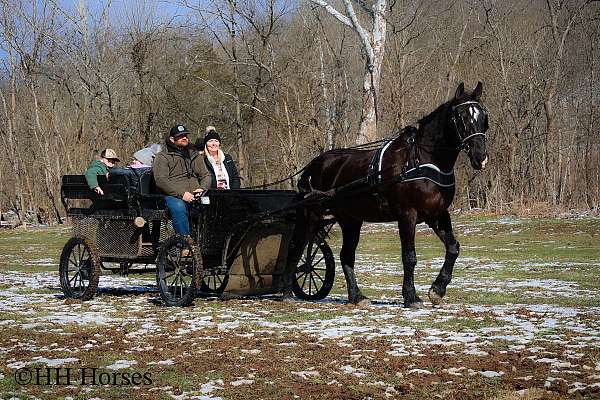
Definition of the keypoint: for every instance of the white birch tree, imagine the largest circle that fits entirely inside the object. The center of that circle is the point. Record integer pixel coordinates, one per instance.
(373, 45)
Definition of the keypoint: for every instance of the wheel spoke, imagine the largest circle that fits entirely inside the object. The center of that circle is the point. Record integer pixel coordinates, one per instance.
(85, 251)
(318, 276)
(165, 277)
(314, 283)
(317, 262)
(304, 281)
(74, 284)
(81, 287)
(175, 280)
(77, 255)
(74, 264)
(74, 277)
(314, 253)
(179, 251)
(303, 273)
(172, 287)
(72, 258)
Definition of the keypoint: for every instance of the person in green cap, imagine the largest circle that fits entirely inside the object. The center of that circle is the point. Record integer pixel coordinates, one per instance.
(108, 159)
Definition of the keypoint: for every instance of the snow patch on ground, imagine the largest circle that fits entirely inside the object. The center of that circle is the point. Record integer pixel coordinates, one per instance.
(122, 364)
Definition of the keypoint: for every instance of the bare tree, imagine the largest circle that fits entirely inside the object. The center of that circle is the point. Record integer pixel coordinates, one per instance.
(373, 45)
(562, 16)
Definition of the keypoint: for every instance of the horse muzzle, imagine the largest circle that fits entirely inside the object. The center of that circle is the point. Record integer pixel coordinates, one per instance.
(479, 164)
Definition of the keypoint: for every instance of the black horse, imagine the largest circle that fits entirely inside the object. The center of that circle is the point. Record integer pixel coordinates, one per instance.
(412, 181)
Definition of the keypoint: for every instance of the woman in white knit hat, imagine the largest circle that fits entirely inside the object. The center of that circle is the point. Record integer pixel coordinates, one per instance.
(221, 165)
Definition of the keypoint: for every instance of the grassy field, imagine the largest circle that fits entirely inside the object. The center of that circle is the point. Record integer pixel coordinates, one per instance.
(521, 319)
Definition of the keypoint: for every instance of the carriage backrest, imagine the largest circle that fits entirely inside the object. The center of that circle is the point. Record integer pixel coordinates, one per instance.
(147, 184)
(138, 180)
(76, 187)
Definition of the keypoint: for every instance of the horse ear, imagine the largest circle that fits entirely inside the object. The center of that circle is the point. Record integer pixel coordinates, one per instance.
(460, 91)
(478, 90)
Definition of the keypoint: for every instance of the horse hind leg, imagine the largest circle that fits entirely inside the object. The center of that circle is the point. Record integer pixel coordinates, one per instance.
(443, 229)
(351, 235)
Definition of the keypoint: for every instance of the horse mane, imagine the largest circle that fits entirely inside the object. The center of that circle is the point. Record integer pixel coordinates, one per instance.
(434, 114)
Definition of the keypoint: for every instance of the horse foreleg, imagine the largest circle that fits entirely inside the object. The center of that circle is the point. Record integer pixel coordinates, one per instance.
(406, 227)
(443, 229)
(351, 235)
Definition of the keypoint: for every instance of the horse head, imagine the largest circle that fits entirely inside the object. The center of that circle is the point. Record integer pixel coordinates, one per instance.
(470, 119)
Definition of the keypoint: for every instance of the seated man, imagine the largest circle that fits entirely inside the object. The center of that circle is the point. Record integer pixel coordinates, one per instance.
(180, 173)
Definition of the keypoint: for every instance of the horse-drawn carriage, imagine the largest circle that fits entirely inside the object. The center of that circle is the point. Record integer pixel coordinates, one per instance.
(246, 241)
(239, 244)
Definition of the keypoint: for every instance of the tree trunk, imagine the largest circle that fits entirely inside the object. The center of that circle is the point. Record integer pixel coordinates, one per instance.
(373, 45)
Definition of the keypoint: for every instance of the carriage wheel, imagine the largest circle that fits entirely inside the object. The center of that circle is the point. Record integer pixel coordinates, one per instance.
(214, 283)
(315, 272)
(178, 271)
(79, 269)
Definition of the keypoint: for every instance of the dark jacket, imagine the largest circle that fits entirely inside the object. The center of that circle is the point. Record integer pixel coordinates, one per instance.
(178, 171)
(133, 177)
(96, 168)
(234, 175)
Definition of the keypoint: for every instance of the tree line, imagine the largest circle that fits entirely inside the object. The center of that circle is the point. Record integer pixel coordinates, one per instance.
(283, 81)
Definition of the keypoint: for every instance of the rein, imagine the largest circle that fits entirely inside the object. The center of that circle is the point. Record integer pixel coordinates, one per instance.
(364, 146)
(381, 145)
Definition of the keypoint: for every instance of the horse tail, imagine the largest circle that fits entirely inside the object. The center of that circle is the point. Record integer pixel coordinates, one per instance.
(304, 185)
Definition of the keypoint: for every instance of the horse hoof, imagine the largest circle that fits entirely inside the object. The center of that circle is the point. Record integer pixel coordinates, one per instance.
(365, 302)
(360, 301)
(230, 296)
(435, 298)
(416, 305)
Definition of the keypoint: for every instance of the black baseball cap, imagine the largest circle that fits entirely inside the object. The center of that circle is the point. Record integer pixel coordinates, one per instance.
(178, 130)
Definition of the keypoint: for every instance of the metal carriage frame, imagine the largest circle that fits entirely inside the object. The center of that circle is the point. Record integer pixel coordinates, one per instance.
(239, 243)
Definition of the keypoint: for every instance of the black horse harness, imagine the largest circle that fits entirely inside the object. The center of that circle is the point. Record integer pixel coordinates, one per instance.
(413, 169)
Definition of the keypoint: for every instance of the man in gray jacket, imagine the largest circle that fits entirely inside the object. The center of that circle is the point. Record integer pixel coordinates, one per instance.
(180, 173)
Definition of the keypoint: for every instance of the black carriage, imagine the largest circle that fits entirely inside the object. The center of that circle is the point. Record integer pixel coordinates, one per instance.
(239, 244)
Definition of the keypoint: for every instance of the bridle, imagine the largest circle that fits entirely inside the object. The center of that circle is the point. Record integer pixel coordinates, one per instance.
(461, 128)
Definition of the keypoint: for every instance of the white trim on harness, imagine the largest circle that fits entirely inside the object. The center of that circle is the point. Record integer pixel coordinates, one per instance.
(433, 167)
(381, 157)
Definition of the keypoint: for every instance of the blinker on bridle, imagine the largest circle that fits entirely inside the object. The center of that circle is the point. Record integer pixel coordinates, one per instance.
(461, 129)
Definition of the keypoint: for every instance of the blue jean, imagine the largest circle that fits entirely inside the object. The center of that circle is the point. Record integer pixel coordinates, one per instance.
(179, 214)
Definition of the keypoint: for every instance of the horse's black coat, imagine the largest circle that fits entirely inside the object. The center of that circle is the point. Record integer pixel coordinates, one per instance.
(457, 124)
